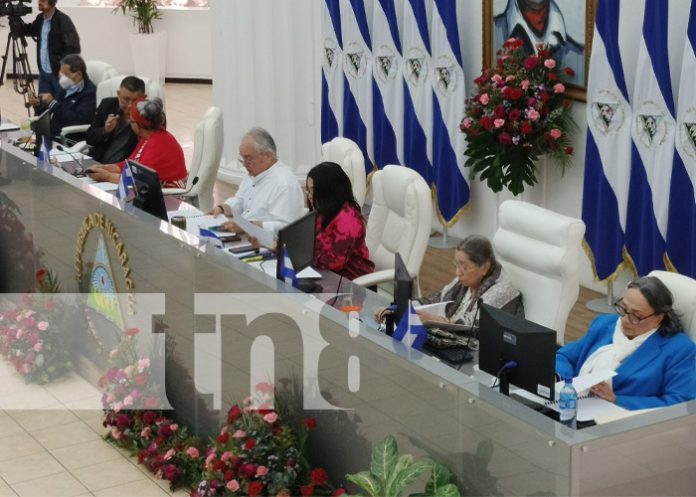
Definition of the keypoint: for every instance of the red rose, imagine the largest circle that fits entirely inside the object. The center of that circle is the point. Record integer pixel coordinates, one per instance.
(170, 472)
(544, 97)
(122, 420)
(307, 490)
(569, 71)
(505, 138)
(568, 150)
(165, 430)
(516, 94)
(223, 438)
(319, 476)
(310, 423)
(149, 417)
(515, 115)
(486, 123)
(228, 475)
(249, 444)
(544, 53)
(276, 431)
(141, 456)
(254, 488)
(234, 414)
(531, 62)
(481, 79)
(526, 128)
(499, 111)
(338, 492)
(247, 470)
(218, 465)
(552, 76)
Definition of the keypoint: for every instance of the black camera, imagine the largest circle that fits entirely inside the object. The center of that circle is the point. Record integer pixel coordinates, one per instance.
(14, 8)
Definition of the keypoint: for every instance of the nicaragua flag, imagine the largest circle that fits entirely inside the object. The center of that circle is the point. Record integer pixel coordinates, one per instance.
(418, 92)
(681, 229)
(388, 90)
(449, 94)
(331, 72)
(410, 329)
(357, 69)
(608, 151)
(210, 238)
(653, 144)
(125, 184)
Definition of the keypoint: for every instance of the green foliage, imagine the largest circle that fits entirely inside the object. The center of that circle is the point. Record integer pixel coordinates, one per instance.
(143, 12)
(391, 473)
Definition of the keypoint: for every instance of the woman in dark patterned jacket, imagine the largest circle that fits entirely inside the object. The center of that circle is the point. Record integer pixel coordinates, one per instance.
(478, 275)
(340, 244)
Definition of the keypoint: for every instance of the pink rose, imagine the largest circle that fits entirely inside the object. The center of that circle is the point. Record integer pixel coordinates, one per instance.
(549, 63)
(555, 133)
(533, 115)
(38, 346)
(192, 452)
(239, 434)
(484, 98)
(467, 122)
(226, 456)
(43, 325)
(174, 426)
(261, 471)
(499, 123)
(496, 78)
(272, 417)
(509, 78)
(525, 84)
(558, 88)
(232, 485)
(169, 454)
(145, 433)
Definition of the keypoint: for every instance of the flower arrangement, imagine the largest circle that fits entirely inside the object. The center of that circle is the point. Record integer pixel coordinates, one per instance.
(518, 112)
(256, 454)
(32, 337)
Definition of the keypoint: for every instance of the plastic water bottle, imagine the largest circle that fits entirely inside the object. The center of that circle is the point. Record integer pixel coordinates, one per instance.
(568, 404)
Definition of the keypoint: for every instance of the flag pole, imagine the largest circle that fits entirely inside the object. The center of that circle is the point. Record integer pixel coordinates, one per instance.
(443, 241)
(603, 305)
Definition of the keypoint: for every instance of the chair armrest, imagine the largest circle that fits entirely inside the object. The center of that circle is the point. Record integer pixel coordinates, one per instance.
(173, 191)
(79, 147)
(372, 279)
(71, 130)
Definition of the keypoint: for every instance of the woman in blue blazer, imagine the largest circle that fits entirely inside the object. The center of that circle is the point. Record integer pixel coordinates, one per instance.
(654, 360)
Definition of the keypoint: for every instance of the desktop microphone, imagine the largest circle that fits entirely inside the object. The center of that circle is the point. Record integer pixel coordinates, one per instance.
(78, 160)
(193, 183)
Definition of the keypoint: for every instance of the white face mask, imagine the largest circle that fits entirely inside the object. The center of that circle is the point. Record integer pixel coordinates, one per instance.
(65, 82)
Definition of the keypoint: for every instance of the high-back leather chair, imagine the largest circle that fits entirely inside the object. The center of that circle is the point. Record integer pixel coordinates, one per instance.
(400, 220)
(540, 252)
(348, 155)
(683, 290)
(208, 140)
(99, 71)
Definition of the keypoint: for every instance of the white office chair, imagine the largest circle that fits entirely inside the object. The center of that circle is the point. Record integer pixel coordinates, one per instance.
(105, 89)
(399, 221)
(683, 290)
(99, 71)
(208, 141)
(540, 253)
(348, 155)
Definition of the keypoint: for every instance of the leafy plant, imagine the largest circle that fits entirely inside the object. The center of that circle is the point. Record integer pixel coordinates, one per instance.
(391, 473)
(143, 12)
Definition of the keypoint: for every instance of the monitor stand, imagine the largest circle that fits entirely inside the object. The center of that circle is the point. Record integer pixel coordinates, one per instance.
(307, 285)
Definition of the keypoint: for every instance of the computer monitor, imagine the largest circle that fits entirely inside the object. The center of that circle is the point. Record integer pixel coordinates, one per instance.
(148, 190)
(298, 238)
(403, 287)
(42, 129)
(505, 338)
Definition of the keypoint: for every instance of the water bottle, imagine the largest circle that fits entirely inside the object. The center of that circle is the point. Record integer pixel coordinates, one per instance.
(568, 404)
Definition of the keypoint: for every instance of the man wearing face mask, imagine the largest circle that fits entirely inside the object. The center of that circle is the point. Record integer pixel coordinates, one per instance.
(76, 101)
(56, 37)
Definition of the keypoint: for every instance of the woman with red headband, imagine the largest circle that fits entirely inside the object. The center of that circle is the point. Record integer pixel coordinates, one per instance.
(156, 148)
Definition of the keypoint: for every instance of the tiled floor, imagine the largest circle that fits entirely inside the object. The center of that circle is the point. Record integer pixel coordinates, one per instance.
(54, 449)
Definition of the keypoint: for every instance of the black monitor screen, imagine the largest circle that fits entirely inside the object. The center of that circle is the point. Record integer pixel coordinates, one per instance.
(148, 191)
(42, 129)
(403, 287)
(504, 338)
(298, 238)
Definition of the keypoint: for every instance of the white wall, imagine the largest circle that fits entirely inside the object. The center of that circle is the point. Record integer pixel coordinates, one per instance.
(104, 36)
(269, 75)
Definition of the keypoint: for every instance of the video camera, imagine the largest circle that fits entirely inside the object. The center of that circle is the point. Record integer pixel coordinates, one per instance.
(14, 9)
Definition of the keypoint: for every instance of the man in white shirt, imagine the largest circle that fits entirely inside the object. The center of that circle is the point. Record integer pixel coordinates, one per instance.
(271, 195)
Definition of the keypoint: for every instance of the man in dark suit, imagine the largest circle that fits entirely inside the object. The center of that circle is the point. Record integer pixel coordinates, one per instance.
(110, 134)
(56, 37)
(76, 100)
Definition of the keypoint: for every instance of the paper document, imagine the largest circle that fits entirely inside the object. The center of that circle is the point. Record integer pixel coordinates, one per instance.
(269, 267)
(264, 237)
(9, 127)
(62, 156)
(589, 407)
(436, 309)
(583, 383)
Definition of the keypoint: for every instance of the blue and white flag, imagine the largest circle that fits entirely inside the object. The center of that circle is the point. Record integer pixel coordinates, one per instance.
(681, 229)
(418, 92)
(210, 238)
(608, 152)
(653, 144)
(357, 67)
(388, 90)
(448, 108)
(286, 271)
(410, 329)
(125, 184)
(331, 72)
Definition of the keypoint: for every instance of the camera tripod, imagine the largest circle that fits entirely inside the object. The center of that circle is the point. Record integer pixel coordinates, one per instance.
(23, 80)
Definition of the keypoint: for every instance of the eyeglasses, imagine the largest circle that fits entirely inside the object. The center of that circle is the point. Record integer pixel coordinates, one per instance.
(632, 318)
(460, 267)
(247, 159)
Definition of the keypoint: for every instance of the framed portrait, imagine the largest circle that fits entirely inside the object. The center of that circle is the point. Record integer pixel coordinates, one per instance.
(565, 24)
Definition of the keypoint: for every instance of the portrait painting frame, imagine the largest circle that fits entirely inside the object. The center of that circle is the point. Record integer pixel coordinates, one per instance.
(576, 90)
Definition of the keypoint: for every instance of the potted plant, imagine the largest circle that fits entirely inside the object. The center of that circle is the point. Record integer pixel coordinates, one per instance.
(149, 49)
